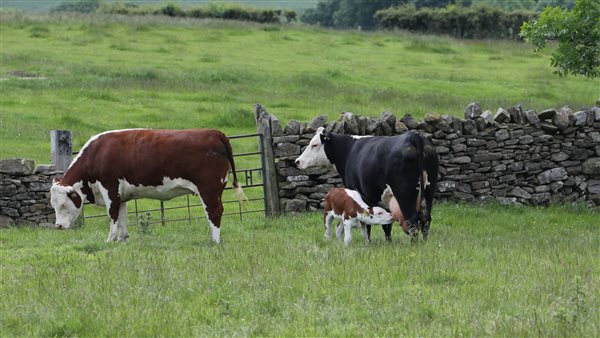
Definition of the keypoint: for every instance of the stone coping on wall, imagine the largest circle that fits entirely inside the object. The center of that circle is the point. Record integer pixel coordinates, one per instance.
(513, 156)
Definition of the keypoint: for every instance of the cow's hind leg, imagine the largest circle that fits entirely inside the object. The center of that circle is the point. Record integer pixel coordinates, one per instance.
(387, 230)
(363, 231)
(328, 218)
(339, 230)
(214, 211)
(123, 222)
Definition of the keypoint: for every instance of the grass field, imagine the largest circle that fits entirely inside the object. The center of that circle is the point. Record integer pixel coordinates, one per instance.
(121, 72)
(493, 271)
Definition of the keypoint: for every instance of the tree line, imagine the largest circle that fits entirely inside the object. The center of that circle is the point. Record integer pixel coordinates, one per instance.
(361, 13)
(214, 11)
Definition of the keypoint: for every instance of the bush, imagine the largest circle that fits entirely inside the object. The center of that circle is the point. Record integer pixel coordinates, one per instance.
(81, 6)
(119, 8)
(171, 10)
(479, 22)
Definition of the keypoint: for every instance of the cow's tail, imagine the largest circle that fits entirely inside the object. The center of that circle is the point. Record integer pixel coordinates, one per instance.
(417, 141)
(239, 193)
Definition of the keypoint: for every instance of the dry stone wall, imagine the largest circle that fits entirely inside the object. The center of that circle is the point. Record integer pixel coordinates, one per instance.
(25, 193)
(514, 156)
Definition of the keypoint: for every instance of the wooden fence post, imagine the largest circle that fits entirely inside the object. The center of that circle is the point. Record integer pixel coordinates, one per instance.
(271, 191)
(61, 148)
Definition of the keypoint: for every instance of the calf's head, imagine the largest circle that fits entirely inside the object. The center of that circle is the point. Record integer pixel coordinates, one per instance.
(67, 204)
(377, 215)
(314, 154)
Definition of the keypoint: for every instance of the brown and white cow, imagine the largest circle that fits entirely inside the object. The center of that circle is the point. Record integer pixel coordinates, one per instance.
(347, 206)
(120, 165)
(389, 200)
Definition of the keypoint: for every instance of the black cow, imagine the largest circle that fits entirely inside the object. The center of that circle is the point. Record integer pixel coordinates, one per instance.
(407, 164)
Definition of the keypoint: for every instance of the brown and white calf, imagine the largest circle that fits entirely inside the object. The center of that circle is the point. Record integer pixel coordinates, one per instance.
(347, 206)
(120, 165)
(389, 199)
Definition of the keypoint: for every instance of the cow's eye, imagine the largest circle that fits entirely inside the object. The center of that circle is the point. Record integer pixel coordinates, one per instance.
(314, 145)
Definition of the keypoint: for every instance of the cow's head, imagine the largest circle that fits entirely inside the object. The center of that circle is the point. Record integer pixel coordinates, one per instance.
(67, 204)
(377, 215)
(314, 154)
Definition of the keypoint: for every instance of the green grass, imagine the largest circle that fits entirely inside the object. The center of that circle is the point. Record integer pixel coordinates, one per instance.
(486, 271)
(110, 72)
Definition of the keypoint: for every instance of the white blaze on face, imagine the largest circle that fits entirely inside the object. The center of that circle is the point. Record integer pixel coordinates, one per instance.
(66, 211)
(314, 154)
(380, 216)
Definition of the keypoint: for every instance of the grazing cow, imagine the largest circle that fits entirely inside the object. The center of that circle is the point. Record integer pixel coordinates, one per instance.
(372, 164)
(117, 166)
(347, 206)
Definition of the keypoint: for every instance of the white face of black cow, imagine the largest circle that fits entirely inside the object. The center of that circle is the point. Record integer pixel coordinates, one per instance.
(67, 204)
(314, 154)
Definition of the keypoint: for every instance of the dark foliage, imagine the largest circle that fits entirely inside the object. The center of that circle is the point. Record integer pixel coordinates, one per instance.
(480, 22)
(81, 6)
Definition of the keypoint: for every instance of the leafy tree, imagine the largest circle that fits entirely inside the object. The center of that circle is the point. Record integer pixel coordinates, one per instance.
(322, 14)
(542, 4)
(578, 35)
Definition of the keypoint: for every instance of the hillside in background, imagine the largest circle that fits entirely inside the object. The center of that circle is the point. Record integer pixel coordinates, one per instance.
(113, 72)
(46, 5)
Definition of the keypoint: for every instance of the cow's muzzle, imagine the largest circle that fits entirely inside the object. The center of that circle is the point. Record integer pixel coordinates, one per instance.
(59, 227)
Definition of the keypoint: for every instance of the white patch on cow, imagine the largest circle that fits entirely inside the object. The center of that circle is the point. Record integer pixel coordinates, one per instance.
(65, 210)
(356, 197)
(215, 233)
(357, 137)
(170, 188)
(123, 222)
(93, 138)
(314, 154)
(426, 179)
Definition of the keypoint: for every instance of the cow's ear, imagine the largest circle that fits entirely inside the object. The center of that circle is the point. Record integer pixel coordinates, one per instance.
(56, 180)
(325, 136)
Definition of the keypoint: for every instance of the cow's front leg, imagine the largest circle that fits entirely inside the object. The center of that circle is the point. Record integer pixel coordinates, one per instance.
(348, 230)
(363, 231)
(387, 230)
(123, 222)
(113, 206)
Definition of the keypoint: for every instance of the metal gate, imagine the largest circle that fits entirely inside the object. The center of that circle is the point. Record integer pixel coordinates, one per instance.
(250, 173)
